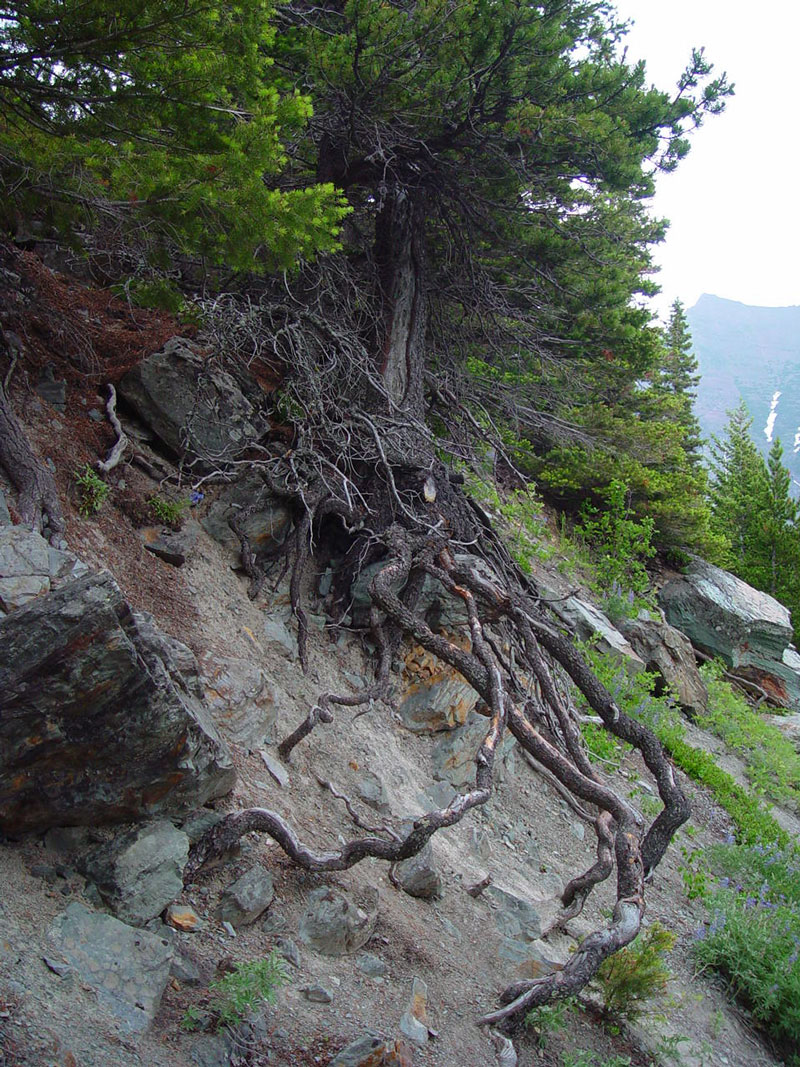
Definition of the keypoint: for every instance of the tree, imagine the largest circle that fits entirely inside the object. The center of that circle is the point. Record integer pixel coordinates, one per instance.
(169, 116)
(678, 377)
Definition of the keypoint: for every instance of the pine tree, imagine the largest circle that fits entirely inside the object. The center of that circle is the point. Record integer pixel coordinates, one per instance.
(677, 379)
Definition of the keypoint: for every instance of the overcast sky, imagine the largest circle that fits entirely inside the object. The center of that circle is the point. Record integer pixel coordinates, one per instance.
(733, 202)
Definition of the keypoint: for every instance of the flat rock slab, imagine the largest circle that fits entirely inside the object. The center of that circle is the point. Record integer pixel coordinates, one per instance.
(173, 546)
(98, 723)
(127, 968)
(247, 898)
(587, 621)
(515, 918)
(243, 700)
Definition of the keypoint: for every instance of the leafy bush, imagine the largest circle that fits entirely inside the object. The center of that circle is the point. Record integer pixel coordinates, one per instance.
(549, 1019)
(754, 934)
(92, 490)
(634, 975)
(620, 546)
(168, 512)
(240, 991)
(602, 746)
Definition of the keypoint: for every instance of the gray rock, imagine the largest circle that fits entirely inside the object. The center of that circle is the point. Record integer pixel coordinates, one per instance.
(372, 966)
(530, 959)
(275, 768)
(317, 994)
(191, 405)
(515, 918)
(199, 822)
(24, 566)
(212, 1050)
(99, 726)
(173, 546)
(748, 629)
(5, 517)
(243, 901)
(141, 872)
(243, 700)
(53, 390)
(266, 526)
(64, 567)
(414, 1021)
(789, 726)
(418, 876)
(366, 1051)
(454, 755)
(65, 839)
(587, 621)
(289, 950)
(278, 634)
(668, 652)
(127, 968)
(372, 792)
(333, 925)
(184, 970)
(435, 701)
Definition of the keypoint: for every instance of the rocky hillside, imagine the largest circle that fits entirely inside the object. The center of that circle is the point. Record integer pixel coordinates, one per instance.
(155, 677)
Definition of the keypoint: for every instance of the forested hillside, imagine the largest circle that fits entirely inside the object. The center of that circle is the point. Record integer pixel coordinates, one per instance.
(405, 243)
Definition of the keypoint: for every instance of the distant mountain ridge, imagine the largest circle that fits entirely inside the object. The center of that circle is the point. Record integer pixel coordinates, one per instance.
(749, 353)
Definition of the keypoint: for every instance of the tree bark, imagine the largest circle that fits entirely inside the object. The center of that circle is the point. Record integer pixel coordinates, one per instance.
(399, 253)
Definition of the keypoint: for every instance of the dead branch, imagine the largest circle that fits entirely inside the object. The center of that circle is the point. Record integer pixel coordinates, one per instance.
(115, 455)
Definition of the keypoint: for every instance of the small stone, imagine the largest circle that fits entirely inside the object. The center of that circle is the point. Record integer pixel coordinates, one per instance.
(173, 546)
(372, 966)
(334, 925)
(186, 970)
(57, 966)
(366, 1051)
(229, 930)
(289, 950)
(578, 830)
(182, 917)
(249, 896)
(44, 870)
(418, 875)
(275, 768)
(317, 994)
(414, 1023)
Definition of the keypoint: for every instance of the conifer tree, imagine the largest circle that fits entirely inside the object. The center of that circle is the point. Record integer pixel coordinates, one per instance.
(678, 378)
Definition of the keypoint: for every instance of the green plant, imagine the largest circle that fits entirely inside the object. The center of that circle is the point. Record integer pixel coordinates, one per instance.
(754, 934)
(194, 1018)
(620, 545)
(239, 991)
(92, 490)
(634, 975)
(602, 746)
(586, 1058)
(168, 512)
(549, 1019)
(694, 873)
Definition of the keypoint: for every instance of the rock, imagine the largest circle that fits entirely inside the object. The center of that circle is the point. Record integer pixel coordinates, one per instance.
(278, 634)
(184, 969)
(182, 917)
(243, 700)
(275, 768)
(372, 966)
(530, 959)
(417, 876)
(333, 925)
(199, 822)
(515, 918)
(454, 755)
(243, 901)
(289, 950)
(141, 872)
(212, 1050)
(266, 526)
(65, 839)
(24, 566)
(414, 1021)
(434, 696)
(191, 405)
(372, 792)
(749, 630)
(64, 567)
(317, 994)
(369, 1050)
(585, 621)
(127, 968)
(173, 546)
(669, 653)
(51, 389)
(5, 515)
(99, 725)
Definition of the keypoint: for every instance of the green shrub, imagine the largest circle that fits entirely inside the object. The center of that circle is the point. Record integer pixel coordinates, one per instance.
(630, 978)
(754, 935)
(239, 992)
(92, 490)
(549, 1019)
(602, 746)
(620, 546)
(168, 512)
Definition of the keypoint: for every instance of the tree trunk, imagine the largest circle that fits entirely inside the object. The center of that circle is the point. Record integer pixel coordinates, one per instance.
(399, 253)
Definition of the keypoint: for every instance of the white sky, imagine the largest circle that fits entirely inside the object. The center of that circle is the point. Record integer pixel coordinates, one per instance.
(733, 202)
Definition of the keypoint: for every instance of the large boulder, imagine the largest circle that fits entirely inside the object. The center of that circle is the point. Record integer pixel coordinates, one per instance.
(265, 525)
(433, 696)
(669, 653)
(98, 724)
(191, 404)
(727, 618)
